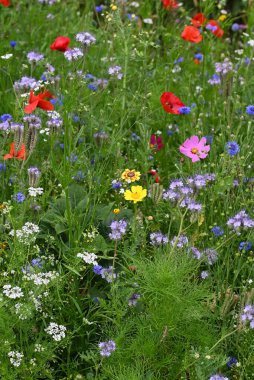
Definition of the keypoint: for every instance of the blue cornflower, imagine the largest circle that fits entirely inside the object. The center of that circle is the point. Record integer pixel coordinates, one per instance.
(79, 177)
(217, 231)
(61, 146)
(75, 118)
(89, 76)
(209, 139)
(245, 245)
(250, 110)
(100, 8)
(5, 117)
(232, 148)
(19, 197)
(13, 43)
(92, 87)
(73, 158)
(57, 101)
(235, 27)
(184, 110)
(232, 361)
(97, 269)
(199, 56)
(44, 78)
(116, 184)
(179, 60)
(2, 168)
(135, 137)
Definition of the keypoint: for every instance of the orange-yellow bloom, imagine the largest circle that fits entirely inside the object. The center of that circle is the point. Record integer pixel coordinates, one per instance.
(136, 194)
(130, 175)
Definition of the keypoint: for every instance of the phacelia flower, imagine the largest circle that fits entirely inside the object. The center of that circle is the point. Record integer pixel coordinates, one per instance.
(85, 38)
(34, 57)
(133, 299)
(158, 238)
(180, 241)
(223, 67)
(195, 149)
(118, 229)
(211, 255)
(171, 103)
(73, 54)
(115, 71)
(61, 43)
(130, 175)
(106, 348)
(192, 34)
(136, 194)
(232, 148)
(240, 220)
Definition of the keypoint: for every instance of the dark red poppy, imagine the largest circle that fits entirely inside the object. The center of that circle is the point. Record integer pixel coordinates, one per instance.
(61, 44)
(5, 3)
(156, 143)
(20, 155)
(191, 34)
(39, 101)
(155, 175)
(199, 19)
(171, 103)
(218, 32)
(170, 4)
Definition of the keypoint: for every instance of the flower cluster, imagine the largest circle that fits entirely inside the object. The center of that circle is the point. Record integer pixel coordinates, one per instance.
(56, 331)
(118, 229)
(240, 220)
(27, 234)
(88, 258)
(157, 238)
(106, 348)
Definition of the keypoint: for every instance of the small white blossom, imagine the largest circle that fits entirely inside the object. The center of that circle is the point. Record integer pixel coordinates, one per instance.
(7, 56)
(12, 292)
(89, 258)
(56, 331)
(15, 358)
(34, 191)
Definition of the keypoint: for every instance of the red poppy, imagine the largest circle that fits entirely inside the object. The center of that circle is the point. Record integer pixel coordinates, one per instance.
(199, 19)
(191, 34)
(171, 103)
(156, 143)
(39, 101)
(197, 61)
(5, 3)
(61, 44)
(170, 4)
(20, 155)
(218, 32)
(155, 175)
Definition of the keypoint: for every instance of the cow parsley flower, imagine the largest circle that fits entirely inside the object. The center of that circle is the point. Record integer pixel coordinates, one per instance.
(56, 331)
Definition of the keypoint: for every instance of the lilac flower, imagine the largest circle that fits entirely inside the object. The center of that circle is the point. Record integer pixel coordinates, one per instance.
(115, 71)
(232, 148)
(241, 219)
(196, 253)
(116, 184)
(204, 274)
(211, 255)
(55, 123)
(133, 299)
(118, 229)
(223, 67)
(232, 361)
(180, 241)
(157, 238)
(25, 84)
(73, 54)
(106, 348)
(85, 38)
(214, 80)
(217, 231)
(135, 137)
(92, 87)
(32, 121)
(19, 197)
(79, 177)
(100, 8)
(97, 269)
(47, 2)
(218, 377)
(32, 56)
(248, 315)
(108, 274)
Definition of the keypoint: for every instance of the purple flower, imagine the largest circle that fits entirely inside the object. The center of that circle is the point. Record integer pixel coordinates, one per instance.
(5, 117)
(218, 377)
(32, 121)
(73, 54)
(181, 241)
(217, 231)
(108, 274)
(116, 184)
(196, 253)
(19, 197)
(97, 269)
(232, 148)
(115, 71)
(211, 255)
(25, 84)
(250, 110)
(223, 67)
(157, 238)
(241, 219)
(118, 229)
(133, 299)
(245, 245)
(85, 38)
(184, 110)
(55, 123)
(232, 361)
(204, 274)
(214, 80)
(32, 56)
(106, 348)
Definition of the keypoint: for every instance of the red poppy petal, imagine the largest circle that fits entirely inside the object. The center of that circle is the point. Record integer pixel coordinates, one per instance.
(45, 105)
(31, 107)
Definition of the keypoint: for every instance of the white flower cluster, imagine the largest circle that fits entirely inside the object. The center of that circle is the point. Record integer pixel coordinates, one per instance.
(27, 234)
(22, 310)
(12, 292)
(15, 358)
(34, 191)
(38, 347)
(89, 258)
(41, 278)
(56, 331)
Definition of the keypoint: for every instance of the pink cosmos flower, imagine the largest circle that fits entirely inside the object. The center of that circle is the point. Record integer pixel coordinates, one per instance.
(195, 149)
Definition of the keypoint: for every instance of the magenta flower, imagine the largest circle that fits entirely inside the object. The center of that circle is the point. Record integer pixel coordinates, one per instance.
(156, 142)
(195, 149)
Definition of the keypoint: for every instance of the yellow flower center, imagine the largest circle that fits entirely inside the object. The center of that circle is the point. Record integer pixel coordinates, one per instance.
(136, 195)
(194, 150)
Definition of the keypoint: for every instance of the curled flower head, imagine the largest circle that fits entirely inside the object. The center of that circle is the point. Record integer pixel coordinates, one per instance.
(195, 149)
(192, 34)
(171, 103)
(136, 194)
(61, 43)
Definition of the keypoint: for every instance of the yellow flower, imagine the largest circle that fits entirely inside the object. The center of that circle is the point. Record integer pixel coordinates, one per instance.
(222, 17)
(130, 175)
(116, 211)
(136, 194)
(113, 7)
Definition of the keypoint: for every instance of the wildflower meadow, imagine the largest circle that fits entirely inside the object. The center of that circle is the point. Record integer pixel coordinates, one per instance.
(127, 190)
